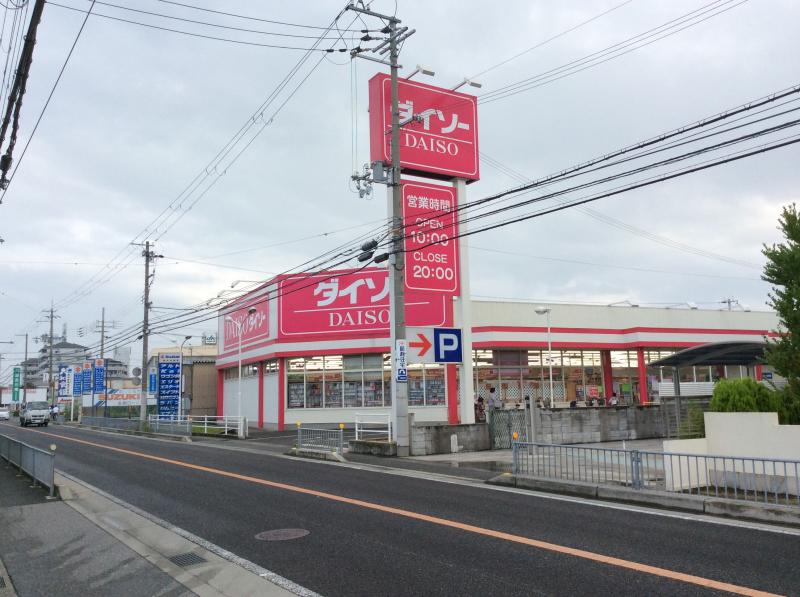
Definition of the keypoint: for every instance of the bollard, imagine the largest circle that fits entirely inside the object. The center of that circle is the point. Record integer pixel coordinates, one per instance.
(341, 438)
(299, 439)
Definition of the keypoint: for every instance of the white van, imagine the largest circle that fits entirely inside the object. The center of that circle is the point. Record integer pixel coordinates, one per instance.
(35, 413)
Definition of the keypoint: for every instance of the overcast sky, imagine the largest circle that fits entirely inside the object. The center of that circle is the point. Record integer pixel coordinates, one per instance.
(140, 111)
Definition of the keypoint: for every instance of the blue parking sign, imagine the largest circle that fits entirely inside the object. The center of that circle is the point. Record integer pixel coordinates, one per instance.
(447, 346)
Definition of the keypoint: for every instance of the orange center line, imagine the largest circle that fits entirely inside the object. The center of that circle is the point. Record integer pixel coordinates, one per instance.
(469, 528)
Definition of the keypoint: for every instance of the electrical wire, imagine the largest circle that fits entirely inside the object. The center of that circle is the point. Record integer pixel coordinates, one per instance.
(241, 42)
(47, 102)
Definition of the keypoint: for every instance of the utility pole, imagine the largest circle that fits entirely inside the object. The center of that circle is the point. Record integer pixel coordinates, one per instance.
(145, 323)
(397, 256)
(50, 385)
(24, 369)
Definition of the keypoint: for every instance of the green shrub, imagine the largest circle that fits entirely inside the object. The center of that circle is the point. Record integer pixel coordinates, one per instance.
(743, 396)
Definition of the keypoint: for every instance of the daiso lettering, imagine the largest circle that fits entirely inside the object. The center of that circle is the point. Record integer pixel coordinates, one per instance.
(358, 317)
(430, 145)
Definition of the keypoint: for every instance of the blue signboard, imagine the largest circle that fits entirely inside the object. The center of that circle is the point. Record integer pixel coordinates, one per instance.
(87, 378)
(169, 384)
(63, 372)
(151, 388)
(99, 377)
(77, 378)
(447, 345)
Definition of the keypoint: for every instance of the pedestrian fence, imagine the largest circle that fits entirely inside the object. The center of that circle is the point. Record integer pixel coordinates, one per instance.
(36, 463)
(374, 426)
(124, 424)
(328, 440)
(734, 477)
(205, 424)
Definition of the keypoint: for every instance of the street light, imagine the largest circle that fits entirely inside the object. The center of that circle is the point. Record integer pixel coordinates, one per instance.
(180, 393)
(546, 311)
(238, 325)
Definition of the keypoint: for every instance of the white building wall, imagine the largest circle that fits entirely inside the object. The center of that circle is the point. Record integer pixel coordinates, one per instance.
(271, 399)
(249, 398)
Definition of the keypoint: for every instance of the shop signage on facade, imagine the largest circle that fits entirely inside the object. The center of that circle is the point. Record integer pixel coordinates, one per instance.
(439, 136)
(431, 247)
(254, 326)
(338, 304)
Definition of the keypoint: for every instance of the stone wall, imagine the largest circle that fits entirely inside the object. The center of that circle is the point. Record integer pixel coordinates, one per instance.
(603, 424)
(436, 439)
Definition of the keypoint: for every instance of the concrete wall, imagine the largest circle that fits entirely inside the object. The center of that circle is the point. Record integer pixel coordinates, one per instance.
(332, 416)
(745, 434)
(437, 439)
(590, 425)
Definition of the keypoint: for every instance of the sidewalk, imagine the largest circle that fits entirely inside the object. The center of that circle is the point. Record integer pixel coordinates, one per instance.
(89, 544)
(50, 549)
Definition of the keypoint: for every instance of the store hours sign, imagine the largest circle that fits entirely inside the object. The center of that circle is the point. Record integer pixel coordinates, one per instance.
(429, 213)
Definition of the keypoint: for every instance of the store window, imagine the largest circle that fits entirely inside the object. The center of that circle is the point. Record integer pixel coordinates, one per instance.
(354, 381)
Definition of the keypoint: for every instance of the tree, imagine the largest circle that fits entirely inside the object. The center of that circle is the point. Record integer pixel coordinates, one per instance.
(782, 270)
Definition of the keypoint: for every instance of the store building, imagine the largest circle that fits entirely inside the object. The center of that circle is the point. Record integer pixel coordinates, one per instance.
(314, 349)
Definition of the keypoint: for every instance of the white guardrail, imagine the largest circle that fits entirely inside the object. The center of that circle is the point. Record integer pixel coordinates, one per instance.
(38, 464)
(205, 424)
(374, 426)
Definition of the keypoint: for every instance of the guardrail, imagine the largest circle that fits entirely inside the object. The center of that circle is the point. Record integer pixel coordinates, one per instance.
(153, 426)
(206, 424)
(329, 440)
(374, 426)
(38, 464)
(735, 477)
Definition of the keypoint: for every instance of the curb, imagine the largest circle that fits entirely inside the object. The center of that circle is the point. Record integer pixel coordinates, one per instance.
(712, 506)
(316, 454)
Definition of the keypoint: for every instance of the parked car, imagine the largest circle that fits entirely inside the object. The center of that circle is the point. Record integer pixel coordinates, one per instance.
(35, 413)
(5, 415)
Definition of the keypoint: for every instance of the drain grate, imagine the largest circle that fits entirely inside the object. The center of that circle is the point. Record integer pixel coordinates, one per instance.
(184, 560)
(282, 534)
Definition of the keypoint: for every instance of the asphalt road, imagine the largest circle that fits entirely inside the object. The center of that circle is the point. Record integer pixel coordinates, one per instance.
(378, 534)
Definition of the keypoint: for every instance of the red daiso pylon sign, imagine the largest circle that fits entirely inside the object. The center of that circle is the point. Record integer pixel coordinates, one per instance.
(440, 139)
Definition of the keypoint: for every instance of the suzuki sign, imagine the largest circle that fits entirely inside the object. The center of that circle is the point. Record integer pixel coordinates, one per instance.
(439, 137)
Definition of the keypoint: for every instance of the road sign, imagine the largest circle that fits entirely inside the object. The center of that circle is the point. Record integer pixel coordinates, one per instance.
(434, 345)
(15, 385)
(401, 360)
(431, 244)
(447, 345)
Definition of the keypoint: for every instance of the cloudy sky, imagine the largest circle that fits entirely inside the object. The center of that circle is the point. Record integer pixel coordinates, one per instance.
(140, 112)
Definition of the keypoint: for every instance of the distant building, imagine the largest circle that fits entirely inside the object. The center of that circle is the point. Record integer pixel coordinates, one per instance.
(199, 383)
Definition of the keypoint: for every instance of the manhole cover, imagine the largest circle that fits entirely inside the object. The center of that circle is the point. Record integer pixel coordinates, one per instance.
(282, 534)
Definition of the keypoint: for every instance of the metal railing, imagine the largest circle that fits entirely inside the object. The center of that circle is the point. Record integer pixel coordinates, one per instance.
(153, 426)
(328, 440)
(734, 477)
(38, 464)
(206, 424)
(374, 426)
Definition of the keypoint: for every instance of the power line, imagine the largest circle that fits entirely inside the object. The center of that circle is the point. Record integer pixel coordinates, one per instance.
(552, 38)
(198, 35)
(47, 102)
(614, 51)
(250, 18)
(207, 23)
